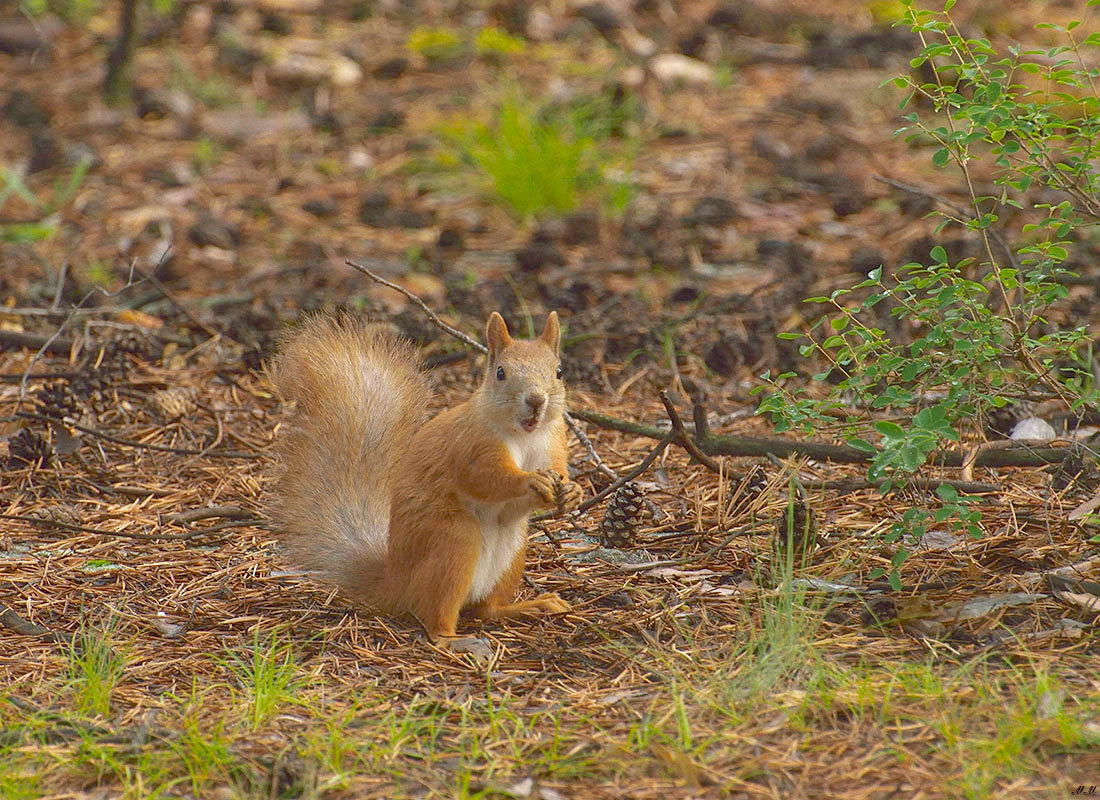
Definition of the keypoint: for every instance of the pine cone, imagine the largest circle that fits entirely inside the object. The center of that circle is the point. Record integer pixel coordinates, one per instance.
(625, 510)
(28, 448)
(1076, 469)
(173, 403)
(756, 481)
(89, 384)
(797, 528)
(57, 401)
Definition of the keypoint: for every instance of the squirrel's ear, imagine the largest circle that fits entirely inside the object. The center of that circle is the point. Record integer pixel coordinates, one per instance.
(551, 333)
(496, 335)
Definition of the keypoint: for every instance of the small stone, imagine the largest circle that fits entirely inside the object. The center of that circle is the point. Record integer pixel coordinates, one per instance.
(714, 211)
(770, 148)
(537, 255)
(1033, 428)
(392, 69)
(161, 103)
(237, 125)
(22, 109)
(320, 207)
(541, 25)
(274, 23)
(375, 209)
(304, 68)
(450, 239)
(581, 227)
(677, 68)
(684, 294)
(46, 151)
(390, 119)
(601, 17)
(210, 231)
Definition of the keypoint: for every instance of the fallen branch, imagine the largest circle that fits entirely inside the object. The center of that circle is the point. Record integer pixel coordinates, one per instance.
(46, 344)
(729, 445)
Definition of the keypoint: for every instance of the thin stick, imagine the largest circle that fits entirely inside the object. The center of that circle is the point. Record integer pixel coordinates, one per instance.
(148, 537)
(51, 340)
(593, 456)
(130, 443)
(682, 438)
(943, 201)
(62, 275)
(462, 337)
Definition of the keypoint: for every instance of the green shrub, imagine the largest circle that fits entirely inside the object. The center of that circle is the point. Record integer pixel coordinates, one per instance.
(535, 159)
(436, 44)
(46, 211)
(981, 336)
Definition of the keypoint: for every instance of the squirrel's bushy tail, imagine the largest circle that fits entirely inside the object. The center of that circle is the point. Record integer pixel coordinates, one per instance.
(359, 395)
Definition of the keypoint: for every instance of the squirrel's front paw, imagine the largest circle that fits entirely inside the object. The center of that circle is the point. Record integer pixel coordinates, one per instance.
(544, 483)
(568, 495)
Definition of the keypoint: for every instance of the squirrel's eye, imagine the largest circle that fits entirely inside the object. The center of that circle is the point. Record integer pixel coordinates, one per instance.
(559, 372)
(500, 373)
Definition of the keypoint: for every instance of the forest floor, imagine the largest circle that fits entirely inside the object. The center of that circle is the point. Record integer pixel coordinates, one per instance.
(157, 643)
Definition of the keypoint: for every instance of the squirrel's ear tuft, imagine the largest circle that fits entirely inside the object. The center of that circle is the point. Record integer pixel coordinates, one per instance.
(496, 335)
(551, 333)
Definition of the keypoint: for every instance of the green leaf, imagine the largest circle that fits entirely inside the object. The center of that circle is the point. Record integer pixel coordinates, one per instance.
(938, 254)
(941, 157)
(862, 444)
(947, 493)
(895, 580)
(890, 429)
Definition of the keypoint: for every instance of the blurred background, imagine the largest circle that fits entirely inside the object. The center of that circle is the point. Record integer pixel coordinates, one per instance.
(633, 163)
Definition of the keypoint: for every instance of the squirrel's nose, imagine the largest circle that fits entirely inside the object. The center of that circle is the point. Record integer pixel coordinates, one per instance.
(536, 400)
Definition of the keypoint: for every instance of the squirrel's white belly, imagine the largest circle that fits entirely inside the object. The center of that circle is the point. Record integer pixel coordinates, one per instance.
(504, 525)
(502, 536)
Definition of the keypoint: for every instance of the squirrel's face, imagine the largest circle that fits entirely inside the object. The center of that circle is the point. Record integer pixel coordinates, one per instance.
(523, 384)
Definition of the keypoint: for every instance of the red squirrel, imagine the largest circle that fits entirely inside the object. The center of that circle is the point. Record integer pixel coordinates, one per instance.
(414, 516)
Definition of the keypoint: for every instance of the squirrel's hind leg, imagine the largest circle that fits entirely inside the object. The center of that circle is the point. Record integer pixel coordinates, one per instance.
(501, 603)
(441, 583)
